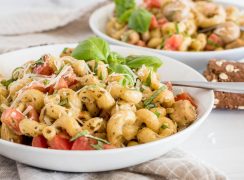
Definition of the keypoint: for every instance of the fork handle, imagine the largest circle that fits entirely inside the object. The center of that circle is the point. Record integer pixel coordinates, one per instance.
(232, 87)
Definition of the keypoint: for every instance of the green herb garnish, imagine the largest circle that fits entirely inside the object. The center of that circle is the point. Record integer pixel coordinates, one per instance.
(164, 126)
(93, 48)
(210, 42)
(149, 61)
(157, 114)
(64, 50)
(140, 20)
(86, 134)
(149, 79)
(46, 82)
(98, 146)
(177, 28)
(149, 106)
(7, 82)
(80, 134)
(64, 102)
(129, 75)
(123, 6)
(39, 61)
(154, 95)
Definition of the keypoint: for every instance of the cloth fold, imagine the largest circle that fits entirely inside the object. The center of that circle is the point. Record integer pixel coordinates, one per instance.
(174, 165)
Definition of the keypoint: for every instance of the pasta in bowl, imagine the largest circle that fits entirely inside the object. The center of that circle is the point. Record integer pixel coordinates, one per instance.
(177, 28)
(90, 106)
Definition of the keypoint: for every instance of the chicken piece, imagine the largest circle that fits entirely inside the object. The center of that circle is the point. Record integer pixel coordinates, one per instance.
(184, 113)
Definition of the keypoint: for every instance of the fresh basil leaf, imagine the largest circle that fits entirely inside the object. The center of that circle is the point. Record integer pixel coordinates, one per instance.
(125, 16)
(121, 6)
(140, 20)
(149, 61)
(115, 57)
(39, 61)
(64, 50)
(129, 76)
(93, 48)
(154, 95)
(6, 83)
(149, 79)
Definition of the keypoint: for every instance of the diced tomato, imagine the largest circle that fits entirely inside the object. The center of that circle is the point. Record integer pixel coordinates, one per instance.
(39, 141)
(71, 79)
(141, 43)
(33, 113)
(185, 96)
(108, 146)
(61, 84)
(174, 42)
(213, 42)
(152, 3)
(38, 86)
(162, 21)
(169, 85)
(154, 23)
(43, 69)
(11, 117)
(59, 142)
(83, 143)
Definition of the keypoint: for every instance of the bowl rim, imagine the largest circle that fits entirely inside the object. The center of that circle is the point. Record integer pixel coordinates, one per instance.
(116, 150)
(99, 33)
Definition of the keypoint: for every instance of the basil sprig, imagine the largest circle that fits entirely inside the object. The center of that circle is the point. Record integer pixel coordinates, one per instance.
(93, 48)
(140, 20)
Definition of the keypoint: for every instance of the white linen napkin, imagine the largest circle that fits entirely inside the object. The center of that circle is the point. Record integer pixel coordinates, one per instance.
(175, 165)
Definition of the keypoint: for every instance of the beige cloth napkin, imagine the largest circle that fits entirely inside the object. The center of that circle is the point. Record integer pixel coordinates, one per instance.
(173, 165)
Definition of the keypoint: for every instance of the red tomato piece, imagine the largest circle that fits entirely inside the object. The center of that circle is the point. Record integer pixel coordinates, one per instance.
(213, 42)
(61, 84)
(39, 141)
(83, 143)
(162, 21)
(185, 96)
(108, 146)
(11, 117)
(61, 143)
(71, 79)
(173, 43)
(38, 86)
(33, 113)
(152, 3)
(43, 69)
(154, 23)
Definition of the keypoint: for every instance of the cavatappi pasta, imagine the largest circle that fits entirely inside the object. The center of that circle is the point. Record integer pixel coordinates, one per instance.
(177, 25)
(70, 104)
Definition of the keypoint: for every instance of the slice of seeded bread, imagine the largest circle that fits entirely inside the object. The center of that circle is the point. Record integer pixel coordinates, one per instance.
(226, 71)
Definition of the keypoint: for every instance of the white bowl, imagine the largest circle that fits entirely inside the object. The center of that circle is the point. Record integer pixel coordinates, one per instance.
(197, 60)
(103, 160)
